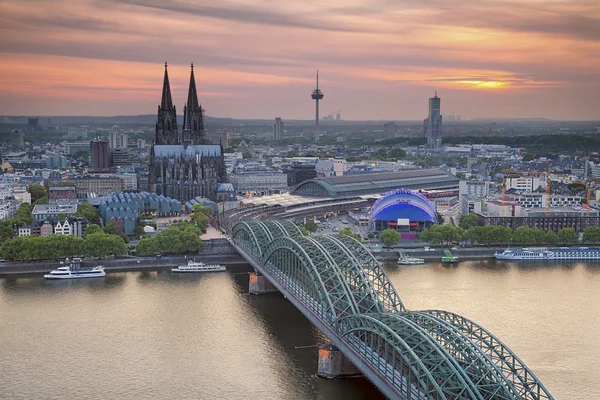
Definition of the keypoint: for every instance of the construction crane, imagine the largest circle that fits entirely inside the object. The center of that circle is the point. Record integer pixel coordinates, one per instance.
(548, 190)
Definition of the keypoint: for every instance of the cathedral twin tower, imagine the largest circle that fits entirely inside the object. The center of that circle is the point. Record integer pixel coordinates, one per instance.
(182, 165)
(193, 121)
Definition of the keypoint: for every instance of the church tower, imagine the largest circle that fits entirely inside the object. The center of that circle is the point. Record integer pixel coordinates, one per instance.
(193, 120)
(166, 124)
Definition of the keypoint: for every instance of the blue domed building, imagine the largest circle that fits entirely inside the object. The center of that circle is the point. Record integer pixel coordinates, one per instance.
(404, 210)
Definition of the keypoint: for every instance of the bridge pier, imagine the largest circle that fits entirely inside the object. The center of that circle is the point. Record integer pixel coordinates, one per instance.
(333, 364)
(259, 284)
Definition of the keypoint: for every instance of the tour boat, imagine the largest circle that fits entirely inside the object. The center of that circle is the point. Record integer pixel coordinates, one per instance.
(449, 258)
(560, 253)
(198, 266)
(73, 269)
(408, 260)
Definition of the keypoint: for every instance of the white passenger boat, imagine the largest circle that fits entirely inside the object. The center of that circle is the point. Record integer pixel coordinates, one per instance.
(73, 269)
(408, 260)
(198, 266)
(559, 253)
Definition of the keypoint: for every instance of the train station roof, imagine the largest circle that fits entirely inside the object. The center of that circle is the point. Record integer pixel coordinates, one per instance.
(377, 183)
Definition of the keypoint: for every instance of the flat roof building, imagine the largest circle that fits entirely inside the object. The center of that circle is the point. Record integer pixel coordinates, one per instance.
(377, 183)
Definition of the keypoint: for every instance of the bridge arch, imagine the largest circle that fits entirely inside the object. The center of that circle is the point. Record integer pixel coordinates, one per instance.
(253, 236)
(372, 268)
(310, 273)
(527, 385)
(366, 296)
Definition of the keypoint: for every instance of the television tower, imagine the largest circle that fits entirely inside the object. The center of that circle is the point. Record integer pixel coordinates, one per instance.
(317, 95)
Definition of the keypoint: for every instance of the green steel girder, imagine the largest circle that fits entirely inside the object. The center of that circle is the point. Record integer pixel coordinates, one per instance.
(528, 386)
(295, 258)
(275, 229)
(366, 296)
(244, 235)
(367, 335)
(481, 371)
(427, 354)
(290, 228)
(447, 372)
(377, 275)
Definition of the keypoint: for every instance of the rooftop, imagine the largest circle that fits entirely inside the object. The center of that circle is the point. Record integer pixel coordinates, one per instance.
(378, 182)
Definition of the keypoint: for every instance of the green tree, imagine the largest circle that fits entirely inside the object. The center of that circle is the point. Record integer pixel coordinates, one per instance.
(389, 237)
(41, 200)
(89, 212)
(204, 209)
(591, 234)
(304, 231)
(352, 234)
(524, 236)
(528, 157)
(6, 230)
(92, 228)
(111, 228)
(550, 237)
(567, 236)
(23, 215)
(292, 154)
(538, 236)
(67, 184)
(81, 154)
(311, 226)
(37, 191)
(177, 239)
(468, 220)
(442, 234)
(101, 245)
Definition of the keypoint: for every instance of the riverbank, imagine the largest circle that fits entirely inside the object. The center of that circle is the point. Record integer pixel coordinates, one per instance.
(233, 262)
(476, 253)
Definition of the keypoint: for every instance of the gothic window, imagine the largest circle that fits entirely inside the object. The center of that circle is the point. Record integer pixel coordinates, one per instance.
(168, 126)
(195, 126)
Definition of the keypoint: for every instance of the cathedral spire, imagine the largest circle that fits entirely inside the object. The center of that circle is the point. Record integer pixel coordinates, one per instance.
(166, 124)
(192, 100)
(166, 101)
(194, 121)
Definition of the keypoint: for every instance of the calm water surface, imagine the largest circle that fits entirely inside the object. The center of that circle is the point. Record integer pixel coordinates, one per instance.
(161, 336)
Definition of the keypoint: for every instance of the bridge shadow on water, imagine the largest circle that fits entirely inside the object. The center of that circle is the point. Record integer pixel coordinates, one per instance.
(287, 328)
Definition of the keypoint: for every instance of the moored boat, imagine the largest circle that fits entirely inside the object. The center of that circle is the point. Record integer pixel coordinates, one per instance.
(449, 258)
(74, 269)
(198, 266)
(556, 253)
(409, 260)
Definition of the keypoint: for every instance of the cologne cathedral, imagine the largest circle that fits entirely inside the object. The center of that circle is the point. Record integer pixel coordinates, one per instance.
(182, 166)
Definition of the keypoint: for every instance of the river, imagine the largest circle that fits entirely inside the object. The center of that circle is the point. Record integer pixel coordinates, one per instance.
(155, 335)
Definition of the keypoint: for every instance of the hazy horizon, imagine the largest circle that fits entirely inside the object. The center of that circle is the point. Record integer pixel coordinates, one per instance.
(377, 59)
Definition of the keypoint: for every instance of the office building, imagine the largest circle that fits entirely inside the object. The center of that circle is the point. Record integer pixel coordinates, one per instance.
(278, 129)
(99, 154)
(432, 125)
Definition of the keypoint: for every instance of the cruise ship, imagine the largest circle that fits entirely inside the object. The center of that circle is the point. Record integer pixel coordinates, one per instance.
(73, 269)
(560, 253)
(198, 266)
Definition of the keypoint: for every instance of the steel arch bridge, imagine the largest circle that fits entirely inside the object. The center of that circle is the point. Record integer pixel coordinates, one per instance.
(340, 287)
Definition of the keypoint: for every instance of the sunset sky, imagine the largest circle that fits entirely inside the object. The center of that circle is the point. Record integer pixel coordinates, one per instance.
(378, 59)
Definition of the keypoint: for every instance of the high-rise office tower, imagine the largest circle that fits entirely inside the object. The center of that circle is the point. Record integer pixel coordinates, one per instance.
(100, 155)
(114, 139)
(317, 95)
(278, 129)
(432, 125)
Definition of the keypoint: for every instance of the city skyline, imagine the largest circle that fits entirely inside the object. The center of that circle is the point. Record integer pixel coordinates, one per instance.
(377, 59)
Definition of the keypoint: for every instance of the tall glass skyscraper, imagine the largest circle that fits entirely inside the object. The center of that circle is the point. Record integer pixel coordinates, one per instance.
(432, 125)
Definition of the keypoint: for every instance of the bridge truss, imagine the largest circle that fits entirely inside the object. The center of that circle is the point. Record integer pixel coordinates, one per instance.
(337, 283)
